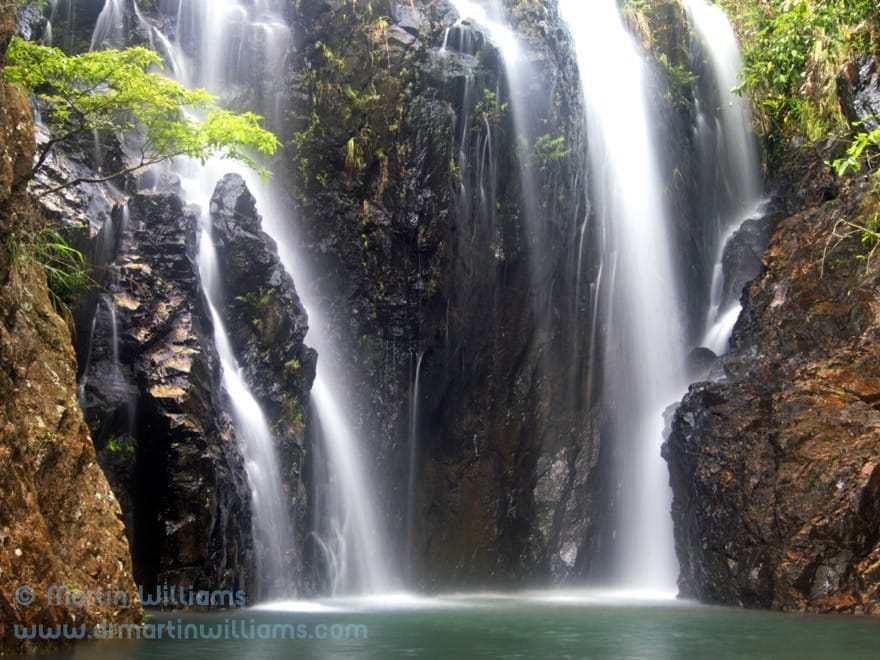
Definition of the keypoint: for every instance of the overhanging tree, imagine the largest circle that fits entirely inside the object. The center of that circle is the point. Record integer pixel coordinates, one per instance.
(122, 91)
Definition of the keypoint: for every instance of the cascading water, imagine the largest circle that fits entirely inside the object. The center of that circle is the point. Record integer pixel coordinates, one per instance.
(234, 40)
(413, 452)
(110, 28)
(643, 335)
(491, 17)
(349, 532)
(352, 536)
(729, 164)
(222, 29)
(220, 45)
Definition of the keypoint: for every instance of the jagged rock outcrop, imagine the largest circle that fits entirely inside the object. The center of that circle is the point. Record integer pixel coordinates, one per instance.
(434, 240)
(151, 383)
(150, 389)
(267, 325)
(775, 463)
(59, 521)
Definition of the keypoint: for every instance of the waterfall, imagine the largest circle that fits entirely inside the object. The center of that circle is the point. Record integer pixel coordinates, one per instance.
(350, 533)
(110, 29)
(223, 29)
(521, 105)
(225, 47)
(237, 42)
(643, 332)
(357, 541)
(411, 492)
(236, 46)
(730, 181)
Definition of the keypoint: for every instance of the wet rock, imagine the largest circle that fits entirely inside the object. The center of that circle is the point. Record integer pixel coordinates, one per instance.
(858, 90)
(267, 325)
(700, 360)
(741, 260)
(399, 42)
(411, 19)
(30, 23)
(774, 463)
(428, 243)
(806, 180)
(151, 393)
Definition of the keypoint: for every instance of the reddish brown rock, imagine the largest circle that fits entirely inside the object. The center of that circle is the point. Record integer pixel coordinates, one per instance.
(59, 522)
(60, 525)
(775, 465)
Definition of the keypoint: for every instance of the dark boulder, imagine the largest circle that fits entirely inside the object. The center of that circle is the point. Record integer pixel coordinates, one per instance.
(741, 260)
(267, 324)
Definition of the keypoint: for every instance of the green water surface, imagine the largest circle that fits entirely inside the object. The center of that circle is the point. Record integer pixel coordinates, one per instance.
(547, 625)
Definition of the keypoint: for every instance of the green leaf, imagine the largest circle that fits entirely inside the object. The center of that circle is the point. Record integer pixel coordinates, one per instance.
(124, 90)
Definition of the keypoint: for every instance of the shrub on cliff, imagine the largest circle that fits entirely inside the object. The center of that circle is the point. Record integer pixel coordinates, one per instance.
(793, 50)
(122, 91)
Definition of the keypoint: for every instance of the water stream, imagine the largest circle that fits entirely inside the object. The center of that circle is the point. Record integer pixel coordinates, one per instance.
(273, 540)
(221, 28)
(237, 39)
(729, 163)
(642, 325)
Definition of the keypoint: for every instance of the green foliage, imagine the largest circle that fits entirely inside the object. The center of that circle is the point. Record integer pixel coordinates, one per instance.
(639, 16)
(681, 80)
(122, 91)
(548, 149)
(291, 413)
(793, 50)
(124, 445)
(861, 147)
(488, 110)
(257, 299)
(67, 273)
(356, 103)
(868, 233)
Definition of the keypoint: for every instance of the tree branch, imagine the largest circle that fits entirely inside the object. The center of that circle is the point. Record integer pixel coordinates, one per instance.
(109, 177)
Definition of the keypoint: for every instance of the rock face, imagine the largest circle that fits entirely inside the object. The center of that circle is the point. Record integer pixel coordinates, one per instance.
(858, 87)
(59, 521)
(775, 464)
(267, 325)
(151, 395)
(460, 334)
(151, 383)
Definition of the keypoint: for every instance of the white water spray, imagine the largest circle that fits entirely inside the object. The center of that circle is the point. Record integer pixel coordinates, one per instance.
(224, 30)
(644, 339)
(729, 151)
(354, 534)
(272, 537)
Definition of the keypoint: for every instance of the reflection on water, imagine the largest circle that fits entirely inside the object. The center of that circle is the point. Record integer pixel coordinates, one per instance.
(557, 624)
